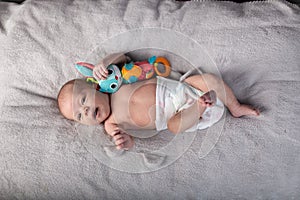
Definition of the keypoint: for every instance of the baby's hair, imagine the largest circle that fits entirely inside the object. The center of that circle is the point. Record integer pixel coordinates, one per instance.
(61, 97)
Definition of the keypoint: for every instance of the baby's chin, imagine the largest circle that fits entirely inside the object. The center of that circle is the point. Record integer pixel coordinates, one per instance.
(99, 121)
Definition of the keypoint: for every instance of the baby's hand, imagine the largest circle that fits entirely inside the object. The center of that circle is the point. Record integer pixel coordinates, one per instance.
(100, 71)
(122, 139)
(208, 99)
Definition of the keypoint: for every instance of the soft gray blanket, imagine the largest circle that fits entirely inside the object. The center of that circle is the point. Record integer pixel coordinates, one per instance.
(254, 47)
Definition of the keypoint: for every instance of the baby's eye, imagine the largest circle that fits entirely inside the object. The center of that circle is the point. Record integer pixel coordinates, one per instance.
(83, 100)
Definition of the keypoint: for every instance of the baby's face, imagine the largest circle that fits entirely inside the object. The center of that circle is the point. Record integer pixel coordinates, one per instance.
(87, 105)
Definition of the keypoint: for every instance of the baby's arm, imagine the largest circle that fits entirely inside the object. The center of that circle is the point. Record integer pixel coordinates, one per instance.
(120, 137)
(100, 71)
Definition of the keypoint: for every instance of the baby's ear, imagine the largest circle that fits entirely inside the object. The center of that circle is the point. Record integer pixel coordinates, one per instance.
(86, 69)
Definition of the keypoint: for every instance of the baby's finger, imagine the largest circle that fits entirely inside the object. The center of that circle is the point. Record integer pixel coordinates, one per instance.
(97, 75)
(103, 75)
(115, 133)
(120, 141)
(121, 146)
(103, 69)
(101, 66)
(117, 129)
(118, 136)
(100, 74)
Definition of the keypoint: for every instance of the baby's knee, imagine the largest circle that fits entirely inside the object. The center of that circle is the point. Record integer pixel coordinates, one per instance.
(209, 76)
(211, 79)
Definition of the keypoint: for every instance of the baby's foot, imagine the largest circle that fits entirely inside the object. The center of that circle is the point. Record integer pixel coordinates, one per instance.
(208, 99)
(244, 109)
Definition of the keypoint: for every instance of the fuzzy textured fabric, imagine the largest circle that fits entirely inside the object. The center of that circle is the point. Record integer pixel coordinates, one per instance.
(254, 47)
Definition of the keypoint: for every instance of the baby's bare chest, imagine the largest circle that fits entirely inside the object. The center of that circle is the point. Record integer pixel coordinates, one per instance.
(133, 106)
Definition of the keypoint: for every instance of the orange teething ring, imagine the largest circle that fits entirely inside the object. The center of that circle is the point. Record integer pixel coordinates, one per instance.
(166, 63)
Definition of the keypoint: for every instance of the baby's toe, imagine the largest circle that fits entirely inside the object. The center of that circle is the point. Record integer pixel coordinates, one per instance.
(256, 111)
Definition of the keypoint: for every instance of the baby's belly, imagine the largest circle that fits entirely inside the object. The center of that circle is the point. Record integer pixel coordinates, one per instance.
(142, 107)
(133, 106)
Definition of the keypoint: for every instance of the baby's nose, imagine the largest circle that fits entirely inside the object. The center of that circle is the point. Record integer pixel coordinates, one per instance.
(86, 110)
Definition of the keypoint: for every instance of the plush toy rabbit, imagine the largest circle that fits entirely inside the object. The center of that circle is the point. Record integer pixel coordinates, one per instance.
(129, 73)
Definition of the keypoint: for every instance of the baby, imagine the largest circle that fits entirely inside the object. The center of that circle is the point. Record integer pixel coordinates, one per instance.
(157, 103)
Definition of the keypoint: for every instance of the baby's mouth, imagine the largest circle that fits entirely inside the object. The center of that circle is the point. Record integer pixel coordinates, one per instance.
(96, 112)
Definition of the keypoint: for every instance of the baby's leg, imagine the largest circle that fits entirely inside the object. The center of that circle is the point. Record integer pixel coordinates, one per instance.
(186, 118)
(207, 82)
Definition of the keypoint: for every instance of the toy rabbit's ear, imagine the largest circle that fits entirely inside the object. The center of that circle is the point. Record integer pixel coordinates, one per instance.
(86, 69)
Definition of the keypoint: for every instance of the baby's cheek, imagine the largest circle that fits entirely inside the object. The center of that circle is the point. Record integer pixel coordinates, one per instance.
(92, 122)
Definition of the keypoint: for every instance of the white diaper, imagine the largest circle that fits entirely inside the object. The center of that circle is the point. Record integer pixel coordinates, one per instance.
(173, 96)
